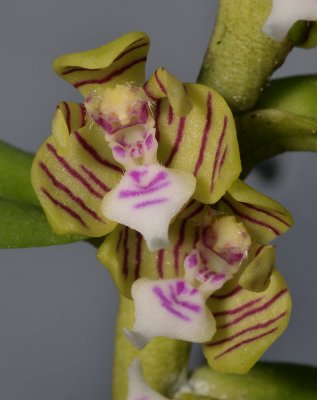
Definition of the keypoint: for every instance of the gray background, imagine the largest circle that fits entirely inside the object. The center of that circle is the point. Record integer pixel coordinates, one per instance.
(58, 305)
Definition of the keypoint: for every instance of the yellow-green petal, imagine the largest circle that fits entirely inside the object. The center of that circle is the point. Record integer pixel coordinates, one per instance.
(256, 276)
(247, 324)
(163, 84)
(120, 61)
(125, 254)
(264, 217)
(71, 173)
(203, 142)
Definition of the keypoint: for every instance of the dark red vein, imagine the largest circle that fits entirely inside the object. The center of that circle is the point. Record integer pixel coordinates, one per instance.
(179, 244)
(94, 178)
(266, 212)
(160, 84)
(129, 50)
(204, 135)
(227, 295)
(246, 341)
(119, 241)
(170, 115)
(110, 76)
(159, 265)
(69, 211)
(59, 185)
(73, 172)
(94, 153)
(125, 267)
(238, 309)
(68, 123)
(222, 161)
(247, 330)
(254, 310)
(179, 138)
(157, 117)
(138, 250)
(217, 155)
(251, 219)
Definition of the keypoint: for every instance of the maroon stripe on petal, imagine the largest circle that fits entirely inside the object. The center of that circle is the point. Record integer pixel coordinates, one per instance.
(160, 84)
(94, 178)
(217, 155)
(238, 309)
(227, 295)
(112, 75)
(178, 245)
(67, 115)
(159, 265)
(59, 185)
(138, 251)
(73, 172)
(119, 241)
(222, 161)
(266, 212)
(246, 341)
(252, 328)
(178, 140)
(254, 310)
(125, 267)
(83, 114)
(204, 135)
(170, 115)
(130, 49)
(94, 153)
(157, 118)
(251, 219)
(68, 210)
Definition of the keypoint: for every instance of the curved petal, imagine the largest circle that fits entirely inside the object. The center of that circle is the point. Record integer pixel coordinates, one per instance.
(203, 142)
(163, 84)
(71, 173)
(127, 257)
(171, 308)
(264, 218)
(147, 198)
(121, 60)
(260, 265)
(247, 324)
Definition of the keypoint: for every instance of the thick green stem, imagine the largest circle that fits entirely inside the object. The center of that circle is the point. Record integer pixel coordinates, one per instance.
(240, 57)
(164, 361)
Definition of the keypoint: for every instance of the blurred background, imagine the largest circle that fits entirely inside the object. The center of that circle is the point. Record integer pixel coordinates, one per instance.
(58, 304)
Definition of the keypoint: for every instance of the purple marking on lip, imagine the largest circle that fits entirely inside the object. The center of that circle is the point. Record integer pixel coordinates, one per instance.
(136, 175)
(149, 203)
(149, 142)
(180, 286)
(136, 193)
(167, 304)
(192, 261)
(183, 303)
(120, 151)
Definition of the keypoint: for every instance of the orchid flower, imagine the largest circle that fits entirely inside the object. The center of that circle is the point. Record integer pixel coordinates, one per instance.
(284, 14)
(135, 152)
(216, 284)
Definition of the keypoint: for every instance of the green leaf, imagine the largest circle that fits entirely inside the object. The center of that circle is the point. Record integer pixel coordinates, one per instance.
(268, 132)
(25, 225)
(15, 181)
(266, 381)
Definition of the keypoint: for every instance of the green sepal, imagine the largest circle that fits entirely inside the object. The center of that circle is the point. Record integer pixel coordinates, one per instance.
(266, 381)
(25, 225)
(268, 132)
(15, 175)
(303, 34)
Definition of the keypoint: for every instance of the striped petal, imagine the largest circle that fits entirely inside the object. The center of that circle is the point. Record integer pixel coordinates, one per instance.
(170, 308)
(247, 324)
(260, 265)
(71, 173)
(264, 218)
(122, 60)
(285, 14)
(203, 142)
(163, 84)
(147, 198)
(125, 254)
(138, 389)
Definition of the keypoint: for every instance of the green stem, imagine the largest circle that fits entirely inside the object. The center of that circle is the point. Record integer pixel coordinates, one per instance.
(164, 361)
(240, 57)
